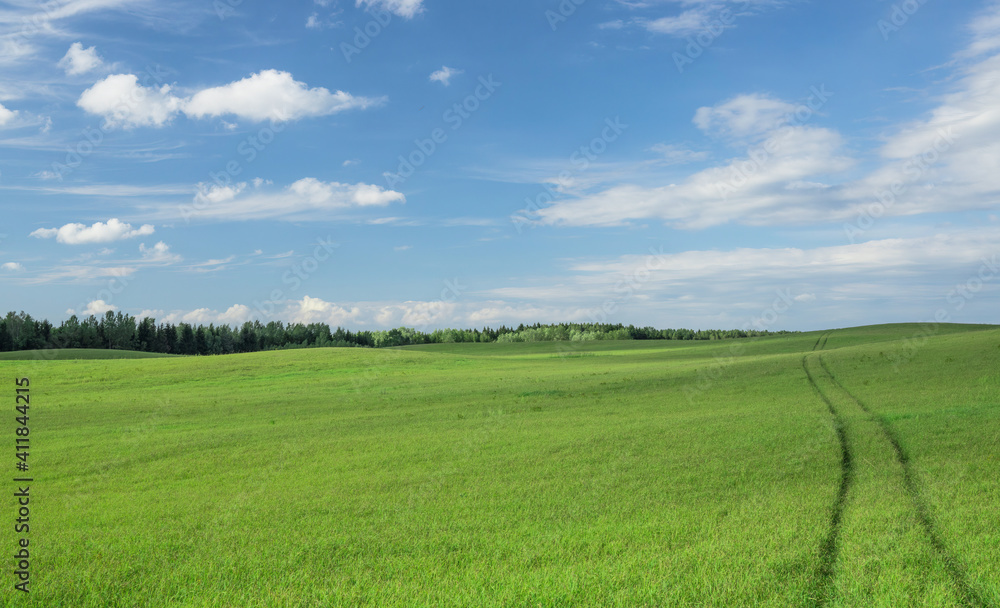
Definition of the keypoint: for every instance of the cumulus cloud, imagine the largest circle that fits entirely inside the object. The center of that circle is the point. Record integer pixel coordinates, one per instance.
(267, 95)
(159, 253)
(12, 267)
(403, 8)
(79, 60)
(6, 115)
(444, 75)
(272, 95)
(97, 308)
(213, 193)
(80, 234)
(234, 315)
(123, 102)
(315, 310)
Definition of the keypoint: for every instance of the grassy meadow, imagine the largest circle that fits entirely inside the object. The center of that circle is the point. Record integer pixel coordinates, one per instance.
(850, 468)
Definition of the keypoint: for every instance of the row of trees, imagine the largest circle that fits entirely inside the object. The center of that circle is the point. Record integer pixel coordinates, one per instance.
(19, 331)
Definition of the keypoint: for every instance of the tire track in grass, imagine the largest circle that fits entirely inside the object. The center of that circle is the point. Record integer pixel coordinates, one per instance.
(831, 545)
(818, 340)
(970, 597)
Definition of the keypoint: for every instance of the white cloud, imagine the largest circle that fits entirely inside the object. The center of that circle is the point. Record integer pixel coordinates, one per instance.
(744, 116)
(896, 259)
(796, 173)
(79, 234)
(985, 29)
(943, 162)
(6, 115)
(97, 308)
(315, 310)
(12, 267)
(907, 279)
(272, 95)
(444, 75)
(79, 60)
(158, 253)
(212, 193)
(750, 189)
(403, 8)
(145, 314)
(13, 50)
(234, 315)
(307, 198)
(313, 22)
(267, 95)
(688, 22)
(123, 102)
(21, 20)
(676, 155)
(80, 274)
(423, 315)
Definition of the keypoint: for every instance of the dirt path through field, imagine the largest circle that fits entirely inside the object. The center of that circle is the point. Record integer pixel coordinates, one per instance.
(911, 482)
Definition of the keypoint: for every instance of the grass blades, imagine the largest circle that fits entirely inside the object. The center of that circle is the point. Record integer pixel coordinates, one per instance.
(521, 475)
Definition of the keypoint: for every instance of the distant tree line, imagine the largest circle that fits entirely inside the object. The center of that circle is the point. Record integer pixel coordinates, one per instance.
(116, 330)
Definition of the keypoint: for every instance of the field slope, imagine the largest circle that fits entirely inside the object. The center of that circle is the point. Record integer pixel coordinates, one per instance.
(855, 467)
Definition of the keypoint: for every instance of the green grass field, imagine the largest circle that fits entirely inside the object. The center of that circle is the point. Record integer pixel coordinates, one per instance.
(851, 468)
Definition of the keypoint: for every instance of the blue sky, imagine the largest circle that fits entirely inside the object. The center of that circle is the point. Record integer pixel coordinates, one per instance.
(778, 164)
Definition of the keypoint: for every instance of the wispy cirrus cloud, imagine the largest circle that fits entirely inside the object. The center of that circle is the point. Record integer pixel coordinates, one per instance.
(796, 173)
(304, 199)
(407, 9)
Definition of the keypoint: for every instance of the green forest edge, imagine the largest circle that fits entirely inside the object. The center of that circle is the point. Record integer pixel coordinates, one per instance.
(118, 331)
